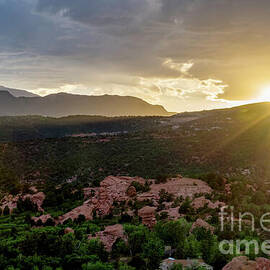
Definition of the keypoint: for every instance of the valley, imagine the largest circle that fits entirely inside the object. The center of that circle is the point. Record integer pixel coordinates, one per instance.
(106, 182)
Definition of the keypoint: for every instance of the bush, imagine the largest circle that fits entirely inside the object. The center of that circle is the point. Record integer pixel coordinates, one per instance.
(165, 196)
(26, 205)
(139, 187)
(97, 266)
(6, 211)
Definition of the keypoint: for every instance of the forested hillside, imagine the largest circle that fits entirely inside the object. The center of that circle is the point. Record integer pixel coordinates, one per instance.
(111, 193)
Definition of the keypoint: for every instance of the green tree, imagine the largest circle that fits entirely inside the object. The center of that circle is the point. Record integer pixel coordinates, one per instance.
(153, 250)
(97, 266)
(136, 237)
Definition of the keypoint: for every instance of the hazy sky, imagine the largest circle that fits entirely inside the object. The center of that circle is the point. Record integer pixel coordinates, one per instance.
(183, 54)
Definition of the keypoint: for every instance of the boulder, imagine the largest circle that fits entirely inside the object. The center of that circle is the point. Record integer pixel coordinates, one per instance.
(199, 223)
(86, 209)
(202, 201)
(148, 215)
(243, 263)
(109, 236)
(43, 218)
(263, 263)
(173, 213)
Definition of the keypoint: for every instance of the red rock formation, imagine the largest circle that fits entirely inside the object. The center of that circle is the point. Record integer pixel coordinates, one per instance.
(228, 189)
(90, 192)
(109, 236)
(185, 187)
(199, 223)
(202, 201)
(131, 191)
(112, 189)
(243, 263)
(173, 213)
(148, 215)
(37, 199)
(43, 218)
(118, 190)
(11, 201)
(86, 209)
(263, 263)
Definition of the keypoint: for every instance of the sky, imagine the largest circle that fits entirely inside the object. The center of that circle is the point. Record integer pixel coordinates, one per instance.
(183, 54)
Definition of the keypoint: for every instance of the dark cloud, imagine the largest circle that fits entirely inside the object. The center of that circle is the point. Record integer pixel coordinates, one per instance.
(99, 13)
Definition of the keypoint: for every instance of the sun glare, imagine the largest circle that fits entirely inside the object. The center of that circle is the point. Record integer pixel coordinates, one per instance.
(265, 93)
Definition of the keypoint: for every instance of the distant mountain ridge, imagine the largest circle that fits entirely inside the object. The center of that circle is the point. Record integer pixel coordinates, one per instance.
(63, 104)
(17, 92)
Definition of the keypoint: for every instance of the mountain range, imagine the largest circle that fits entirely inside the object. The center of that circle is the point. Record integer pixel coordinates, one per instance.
(17, 92)
(14, 102)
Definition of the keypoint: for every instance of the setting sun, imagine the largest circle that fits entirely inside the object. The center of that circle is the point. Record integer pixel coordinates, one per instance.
(265, 93)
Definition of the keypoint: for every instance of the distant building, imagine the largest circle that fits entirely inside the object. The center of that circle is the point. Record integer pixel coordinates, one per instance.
(167, 264)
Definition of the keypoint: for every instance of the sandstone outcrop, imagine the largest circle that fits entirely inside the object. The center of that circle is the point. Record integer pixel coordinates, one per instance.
(109, 236)
(185, 187)
(199, 223)
(11, 201)
(243, 263)
(202, 201)
(86, 209)
(42, 218)
(114, 190)
(173, 213)
(148, 215)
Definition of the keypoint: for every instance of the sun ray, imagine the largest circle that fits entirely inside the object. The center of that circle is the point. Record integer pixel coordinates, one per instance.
(234, 136)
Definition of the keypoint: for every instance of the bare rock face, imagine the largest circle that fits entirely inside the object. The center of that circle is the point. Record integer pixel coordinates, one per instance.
(42, 218)
(173, 213)
(263, 263)
(113, 189)
(199, 223)
(243, 263)
(109, 236)
(185, 187)
(148, 215)
(118, 189)
(202, 201)
(11, 201)
(86, 209)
